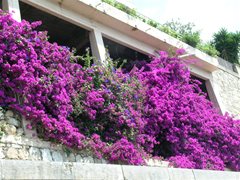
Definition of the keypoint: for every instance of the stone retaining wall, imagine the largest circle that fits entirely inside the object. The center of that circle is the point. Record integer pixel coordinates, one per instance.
(12, 147)
(14, 144)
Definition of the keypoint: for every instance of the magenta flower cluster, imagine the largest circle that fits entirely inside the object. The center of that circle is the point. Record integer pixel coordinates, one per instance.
(156, 110)
(189, 131)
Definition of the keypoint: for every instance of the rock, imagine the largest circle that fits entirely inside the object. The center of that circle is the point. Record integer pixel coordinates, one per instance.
(64, 156)
(9, 113)
(88, 159)
(23, 154)
(1, 116)
(10, 130)
(104, 161)
(34, 153)
(17, 116)
(3, 125)
(57, 156)
(20, 132)
(71, 158)
(12, 153)
(13, 121)
(2, 156)
(149, 162)
(97, 161)
(16, 146)
(46, 155)
(79, 158)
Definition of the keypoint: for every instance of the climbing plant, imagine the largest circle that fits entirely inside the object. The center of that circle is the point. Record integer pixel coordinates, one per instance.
(155, 110)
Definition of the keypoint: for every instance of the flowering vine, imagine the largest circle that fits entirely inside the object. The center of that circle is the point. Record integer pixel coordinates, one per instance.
(156, 109)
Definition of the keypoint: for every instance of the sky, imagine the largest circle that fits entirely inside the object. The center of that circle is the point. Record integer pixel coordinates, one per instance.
(208, 15)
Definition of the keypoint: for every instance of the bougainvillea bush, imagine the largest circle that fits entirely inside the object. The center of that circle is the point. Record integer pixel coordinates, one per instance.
(189, 131)
(155, 110)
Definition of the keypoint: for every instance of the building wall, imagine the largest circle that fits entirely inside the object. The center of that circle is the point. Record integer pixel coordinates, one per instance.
(229, 90)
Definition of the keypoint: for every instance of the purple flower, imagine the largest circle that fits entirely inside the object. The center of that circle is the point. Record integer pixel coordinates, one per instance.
(154, 110)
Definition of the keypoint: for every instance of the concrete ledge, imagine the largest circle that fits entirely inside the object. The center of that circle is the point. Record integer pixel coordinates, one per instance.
(19, 169)
(215, 175)
(181, 174)
(143, 172)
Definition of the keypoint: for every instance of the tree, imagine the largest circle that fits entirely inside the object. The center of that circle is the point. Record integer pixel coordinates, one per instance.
(185, 32)
(228, 44)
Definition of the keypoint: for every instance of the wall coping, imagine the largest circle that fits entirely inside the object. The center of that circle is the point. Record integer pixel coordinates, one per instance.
(137, 26)
(229, 71)
(23, 169)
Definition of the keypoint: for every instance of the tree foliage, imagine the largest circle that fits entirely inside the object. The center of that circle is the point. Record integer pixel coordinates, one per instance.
(228, 44)
(184, 32)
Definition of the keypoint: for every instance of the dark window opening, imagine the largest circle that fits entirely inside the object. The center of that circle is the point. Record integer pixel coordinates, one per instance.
(60, 31)
(121, 53)
(202, 86)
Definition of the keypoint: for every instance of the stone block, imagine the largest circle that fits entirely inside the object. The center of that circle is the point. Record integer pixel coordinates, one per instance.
(10, 130)
(144, 172)
(180, 174)
(97, 171)
(104, 161)
(18, 169)
(9, 113)
(34, 153)
(97, 161)
(16, 146)
(46, 155)
(12, 153)
(149, 162)
(2, 155)
(64, 156)
(57, 156)
(57, 170)
(23, 154)
(214, 175)
(1, 115)
(79, 158)
(71, 157)
(156, 162)
(88, 159)
(13, 121)
(20, 132)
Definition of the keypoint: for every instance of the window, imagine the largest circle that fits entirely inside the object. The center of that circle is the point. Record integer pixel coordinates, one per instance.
(202, 86)
(59, 30)
(119, 53)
